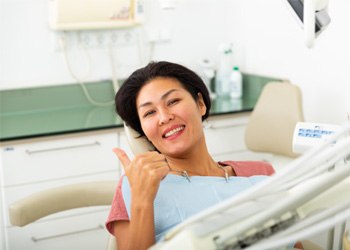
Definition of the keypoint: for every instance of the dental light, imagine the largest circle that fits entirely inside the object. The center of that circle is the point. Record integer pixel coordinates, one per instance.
(313, 16)
(300, 200)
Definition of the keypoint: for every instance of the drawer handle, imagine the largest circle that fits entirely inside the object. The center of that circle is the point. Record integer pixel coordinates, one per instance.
(96, 143)
(37, 239)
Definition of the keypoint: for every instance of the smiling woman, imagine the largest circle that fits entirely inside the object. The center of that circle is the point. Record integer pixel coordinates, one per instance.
(126, 97)
(166, 103)
(170, 118)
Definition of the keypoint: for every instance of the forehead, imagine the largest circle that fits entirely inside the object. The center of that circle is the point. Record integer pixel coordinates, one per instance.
(163, 82)
(157, 87)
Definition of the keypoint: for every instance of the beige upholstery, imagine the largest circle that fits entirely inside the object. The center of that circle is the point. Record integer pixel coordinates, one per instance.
(309, 245)
(346, 241)
(271, 124)
(54, 200)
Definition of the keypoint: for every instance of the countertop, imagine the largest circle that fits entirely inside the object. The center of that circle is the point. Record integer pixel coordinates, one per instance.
(61, 109)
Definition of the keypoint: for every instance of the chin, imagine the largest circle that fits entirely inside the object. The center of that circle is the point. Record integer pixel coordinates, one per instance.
(177, 153)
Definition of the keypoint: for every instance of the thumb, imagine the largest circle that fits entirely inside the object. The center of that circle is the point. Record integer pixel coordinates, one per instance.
(122, 156)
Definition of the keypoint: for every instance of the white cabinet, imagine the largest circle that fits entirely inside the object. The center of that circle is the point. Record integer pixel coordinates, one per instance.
(56, 159)
(225, 137)
(29, 166)
(2, 228)
(83, 231)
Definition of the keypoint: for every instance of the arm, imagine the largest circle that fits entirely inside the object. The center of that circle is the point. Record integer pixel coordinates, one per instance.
(121, 229)
(144, 240)
(121, 233)
(298, 245)
(144, 174)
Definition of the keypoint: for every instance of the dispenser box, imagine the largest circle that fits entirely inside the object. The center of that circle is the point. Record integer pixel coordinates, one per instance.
(308, 135)
(94, 14)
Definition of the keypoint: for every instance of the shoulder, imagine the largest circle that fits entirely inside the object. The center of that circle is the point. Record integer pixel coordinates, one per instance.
(250, 168)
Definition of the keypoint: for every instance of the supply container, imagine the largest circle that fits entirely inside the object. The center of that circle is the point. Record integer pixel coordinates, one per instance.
(236, 83)
(223, 73)
(207, 73)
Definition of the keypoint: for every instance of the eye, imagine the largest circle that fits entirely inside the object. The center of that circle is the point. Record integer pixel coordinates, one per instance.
(173, 101)
(148, 113)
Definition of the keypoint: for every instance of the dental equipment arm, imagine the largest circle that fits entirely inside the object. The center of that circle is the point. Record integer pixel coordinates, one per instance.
(303, 196)
(310, 9)
(313, 15)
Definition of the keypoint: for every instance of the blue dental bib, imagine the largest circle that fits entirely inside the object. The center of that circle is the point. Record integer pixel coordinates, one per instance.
(178, 198)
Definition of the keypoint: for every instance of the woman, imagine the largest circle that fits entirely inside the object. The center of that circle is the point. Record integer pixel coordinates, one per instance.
(166, 103)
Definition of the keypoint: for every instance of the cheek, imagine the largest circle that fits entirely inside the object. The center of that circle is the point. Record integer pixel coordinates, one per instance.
(149, 128)
(193, 113)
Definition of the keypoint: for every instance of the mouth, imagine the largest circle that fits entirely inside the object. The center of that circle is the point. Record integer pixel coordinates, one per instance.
(173, 131)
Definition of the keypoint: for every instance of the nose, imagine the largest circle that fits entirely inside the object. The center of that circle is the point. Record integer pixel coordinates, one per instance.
(165, 116)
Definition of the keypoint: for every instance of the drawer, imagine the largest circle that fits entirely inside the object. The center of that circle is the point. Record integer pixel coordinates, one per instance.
(12, 194)
(78, 232)
(59, 158)
(224, 137)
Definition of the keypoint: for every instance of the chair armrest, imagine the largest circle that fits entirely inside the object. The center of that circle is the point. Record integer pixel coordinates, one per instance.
(59, 199)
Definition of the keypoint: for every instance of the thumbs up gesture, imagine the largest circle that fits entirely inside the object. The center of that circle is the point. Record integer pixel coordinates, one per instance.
(144, 173)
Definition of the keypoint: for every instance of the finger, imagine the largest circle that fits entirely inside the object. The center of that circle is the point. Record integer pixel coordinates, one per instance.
(162, 171)
(122, 156)
(157, 156)
(151, 157)
(161, 162)
(159, 168)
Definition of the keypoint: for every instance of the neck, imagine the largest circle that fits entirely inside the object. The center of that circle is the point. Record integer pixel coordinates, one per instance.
(196, 161)
(202, 168)
(200, 163)
(211, 169)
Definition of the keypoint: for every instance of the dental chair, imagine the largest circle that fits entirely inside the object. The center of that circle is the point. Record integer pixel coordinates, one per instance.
(301, 199)
(271, 124)
(59, 199)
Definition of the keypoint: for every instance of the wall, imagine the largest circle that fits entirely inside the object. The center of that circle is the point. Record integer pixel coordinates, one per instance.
(30, 54)
(272, 42)
(267, 41)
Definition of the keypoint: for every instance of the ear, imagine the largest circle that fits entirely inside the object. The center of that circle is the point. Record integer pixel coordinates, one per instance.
(201, 104)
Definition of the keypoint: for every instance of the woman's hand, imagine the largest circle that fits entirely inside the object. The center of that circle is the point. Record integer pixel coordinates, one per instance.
(144, 173)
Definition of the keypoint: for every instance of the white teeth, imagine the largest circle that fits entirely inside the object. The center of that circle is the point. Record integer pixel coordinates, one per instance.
(173, 131)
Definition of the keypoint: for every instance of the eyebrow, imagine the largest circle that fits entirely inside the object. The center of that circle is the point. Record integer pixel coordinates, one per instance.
(164, 96)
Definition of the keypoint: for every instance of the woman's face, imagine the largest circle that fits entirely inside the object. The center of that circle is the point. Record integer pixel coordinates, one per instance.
(170, 117)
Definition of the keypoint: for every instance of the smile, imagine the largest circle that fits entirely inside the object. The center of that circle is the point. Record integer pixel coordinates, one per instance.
(173, 131)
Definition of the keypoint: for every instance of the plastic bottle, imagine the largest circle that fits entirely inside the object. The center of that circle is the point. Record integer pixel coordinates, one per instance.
(223, 73)
(207, 74)
(236, 83)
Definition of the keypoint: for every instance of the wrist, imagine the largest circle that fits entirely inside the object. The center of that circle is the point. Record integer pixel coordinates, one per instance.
(142, 204)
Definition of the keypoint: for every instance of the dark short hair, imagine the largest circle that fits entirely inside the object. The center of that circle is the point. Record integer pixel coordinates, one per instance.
(125, 99)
